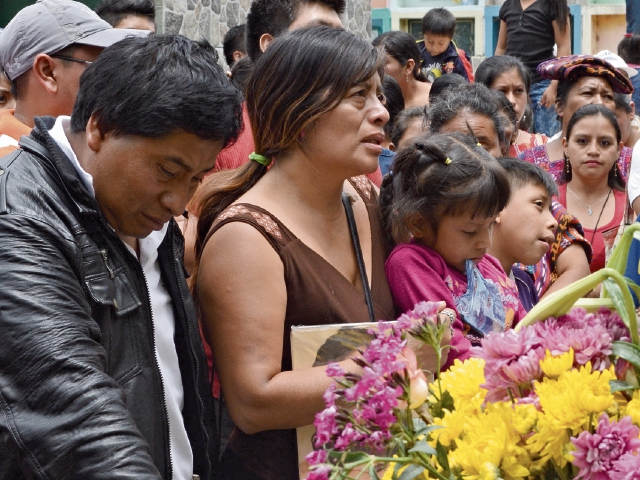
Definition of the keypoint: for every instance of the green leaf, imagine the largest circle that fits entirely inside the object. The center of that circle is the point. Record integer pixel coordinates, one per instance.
(412, 471)
(423, 447)
(620, 386)
(445, 403)
(627, 351)
(441, 455)
(372, 473)
(614, 292)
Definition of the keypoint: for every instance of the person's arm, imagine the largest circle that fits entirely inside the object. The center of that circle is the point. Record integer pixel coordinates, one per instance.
(63, 416)
(501, 46)
(563, 43)
(243, 301)
(572, 265)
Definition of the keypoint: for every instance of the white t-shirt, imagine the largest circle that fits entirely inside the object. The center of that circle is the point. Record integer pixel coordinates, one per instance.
(163, 324)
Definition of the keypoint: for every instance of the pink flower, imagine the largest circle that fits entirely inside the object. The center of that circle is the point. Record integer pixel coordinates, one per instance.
(627, 467)
(597, 453)
(418, 385)
(335, 370)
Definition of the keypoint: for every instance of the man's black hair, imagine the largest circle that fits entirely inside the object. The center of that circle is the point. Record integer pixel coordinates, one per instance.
(114, 11)
(522, 174)
(440, 22)
(274, 17)
(445, 82)
(153, 86)
(234, 41)
(629, 49)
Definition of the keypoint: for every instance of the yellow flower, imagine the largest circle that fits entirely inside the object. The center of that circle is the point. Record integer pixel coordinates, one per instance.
(633, 410)
(488, 471)
(388, 473)
(463, 382)
(556, 366)
(490, 439)
(525, 418)
(566, 405)
(452, 424)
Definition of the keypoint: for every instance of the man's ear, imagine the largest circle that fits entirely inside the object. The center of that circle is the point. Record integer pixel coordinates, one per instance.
(265, 41)
(45, 71)
(498, 219)
(237, 55)
(392, 147)
(93, 134)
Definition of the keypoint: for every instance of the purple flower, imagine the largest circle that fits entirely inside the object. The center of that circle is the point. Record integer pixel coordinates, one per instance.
(316, 457)
(585, 332)
(627, 467)
(597, 453)
(320, 473)
(335, 370)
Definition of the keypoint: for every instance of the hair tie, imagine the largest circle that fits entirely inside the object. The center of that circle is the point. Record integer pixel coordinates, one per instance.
(261, 159)
(447, 161)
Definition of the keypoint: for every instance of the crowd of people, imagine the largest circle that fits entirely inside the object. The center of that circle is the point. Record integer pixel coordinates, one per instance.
(164, 222)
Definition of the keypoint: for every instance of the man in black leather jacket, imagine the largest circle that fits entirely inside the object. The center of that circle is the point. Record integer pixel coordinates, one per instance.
(99, 341)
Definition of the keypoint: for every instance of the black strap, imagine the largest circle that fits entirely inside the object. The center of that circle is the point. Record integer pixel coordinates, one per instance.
(356, 245)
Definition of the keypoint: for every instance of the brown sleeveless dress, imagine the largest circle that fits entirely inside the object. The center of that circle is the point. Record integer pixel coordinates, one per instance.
(317, 294)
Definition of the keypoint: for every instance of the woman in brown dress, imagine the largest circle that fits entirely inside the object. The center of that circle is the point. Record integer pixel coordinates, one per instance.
(274, 248)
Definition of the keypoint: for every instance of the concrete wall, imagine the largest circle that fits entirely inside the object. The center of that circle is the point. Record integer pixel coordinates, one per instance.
(212, 19)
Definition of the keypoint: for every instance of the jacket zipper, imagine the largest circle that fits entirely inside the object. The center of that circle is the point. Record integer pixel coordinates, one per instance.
(196, 363)
(155, 356)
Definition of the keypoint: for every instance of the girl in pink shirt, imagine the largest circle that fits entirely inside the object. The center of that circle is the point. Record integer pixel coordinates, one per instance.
(439, 205)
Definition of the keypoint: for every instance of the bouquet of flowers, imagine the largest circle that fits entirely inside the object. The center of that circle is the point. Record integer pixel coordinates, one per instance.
(557, 397)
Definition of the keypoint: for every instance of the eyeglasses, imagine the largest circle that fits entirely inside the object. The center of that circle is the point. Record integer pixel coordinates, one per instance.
(72, 59)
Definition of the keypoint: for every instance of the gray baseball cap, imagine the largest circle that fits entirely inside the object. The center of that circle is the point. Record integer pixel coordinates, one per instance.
(49, 26)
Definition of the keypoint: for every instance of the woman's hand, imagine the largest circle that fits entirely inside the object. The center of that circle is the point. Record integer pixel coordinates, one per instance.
(549, 96)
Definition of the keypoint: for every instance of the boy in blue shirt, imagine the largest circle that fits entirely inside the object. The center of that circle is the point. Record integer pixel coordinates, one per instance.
(439, 54)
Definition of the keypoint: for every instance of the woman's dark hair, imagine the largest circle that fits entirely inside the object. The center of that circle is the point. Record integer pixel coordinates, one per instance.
(403, 120)
(495, 66)
(302, 75)
(440, 22)
(615, 178)
(240, 73)
(472, 98)
(629, 49)
(442, 175)
(394, 102)
(402, 47)
(444, 83)
(168, 83)
(507, 115)
(527, 119)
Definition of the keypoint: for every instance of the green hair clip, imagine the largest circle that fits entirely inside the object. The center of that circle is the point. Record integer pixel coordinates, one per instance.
(261, 159)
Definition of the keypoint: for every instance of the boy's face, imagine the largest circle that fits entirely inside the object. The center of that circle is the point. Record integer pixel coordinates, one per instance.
(525, 228)
(436, 44)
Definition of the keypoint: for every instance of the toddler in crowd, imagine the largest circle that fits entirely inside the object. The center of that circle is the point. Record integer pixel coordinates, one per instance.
(438, 52)
(525, 229)
(439, 206)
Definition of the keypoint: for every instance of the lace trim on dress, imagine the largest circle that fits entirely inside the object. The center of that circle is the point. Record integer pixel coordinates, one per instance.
(266, 222)
(232, 211)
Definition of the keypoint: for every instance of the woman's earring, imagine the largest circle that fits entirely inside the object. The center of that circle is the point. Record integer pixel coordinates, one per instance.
(407, 78)
(615, 170)
(567, 165)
